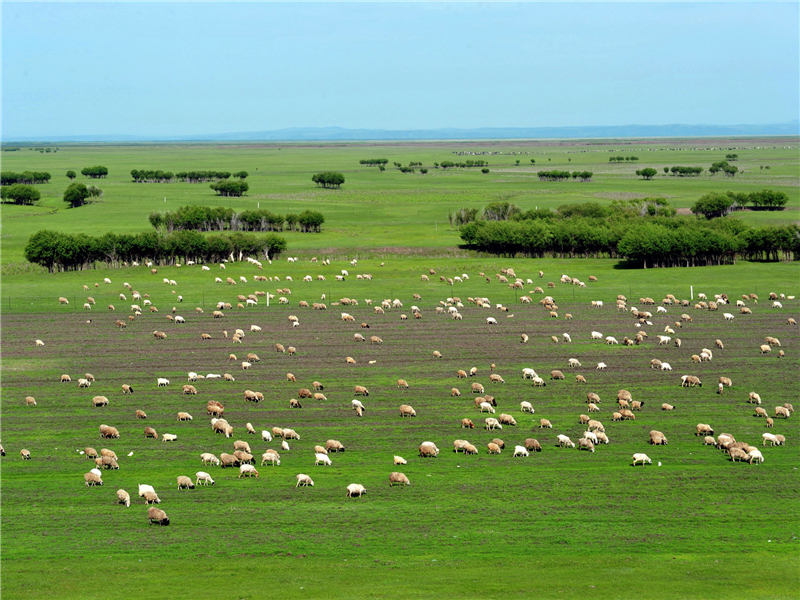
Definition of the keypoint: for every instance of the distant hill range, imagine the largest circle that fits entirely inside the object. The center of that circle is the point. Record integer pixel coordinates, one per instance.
(310, 134)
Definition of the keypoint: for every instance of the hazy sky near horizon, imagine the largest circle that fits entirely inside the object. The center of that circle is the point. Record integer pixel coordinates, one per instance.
(185, 68)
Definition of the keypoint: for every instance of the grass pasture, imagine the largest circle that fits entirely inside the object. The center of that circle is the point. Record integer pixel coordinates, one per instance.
(560, 523)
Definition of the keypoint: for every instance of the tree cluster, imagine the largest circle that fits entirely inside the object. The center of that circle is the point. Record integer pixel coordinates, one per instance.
(564, 175)
(19, 194)
(729, 170)
(686, 171)
(230, 188)
(144, 176)
(328, 179)
(468, 164)
(646, 173)
(373, 162)
(663, 240)
(76, 194)
(622, 158)
(97, 172)
(59, 251)
(714, 204)
(731, 157)
(26, 177)
(201, 176)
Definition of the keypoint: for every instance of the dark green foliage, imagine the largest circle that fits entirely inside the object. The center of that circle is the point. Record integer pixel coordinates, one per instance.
(686, 171)
(291, 221)
(372, 162)
(713, 205)
(311, 221)
(533, 161)
(623, 158)
(230, 188)
(729, 170)
(26, 177)
(96, 172)
(645, 231)
(241, 175)
(259, 220)
(731, 157)
(484, 170)
(647, 173)
(71, 175)
(76, 194)
(201, 176)
(142, 176)
(58, 251)
(423, 171)
(554, 175)
(20, 194)
(406, 169)
(330, 179)
(768, 200)
(582, 175)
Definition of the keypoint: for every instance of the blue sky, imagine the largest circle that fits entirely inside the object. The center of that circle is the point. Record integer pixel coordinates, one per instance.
(191, 68)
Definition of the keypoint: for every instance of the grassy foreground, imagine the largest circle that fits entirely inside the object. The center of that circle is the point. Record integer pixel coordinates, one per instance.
(766, 575)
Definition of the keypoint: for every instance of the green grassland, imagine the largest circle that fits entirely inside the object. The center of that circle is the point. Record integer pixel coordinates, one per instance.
(558, 524)
(378, 210)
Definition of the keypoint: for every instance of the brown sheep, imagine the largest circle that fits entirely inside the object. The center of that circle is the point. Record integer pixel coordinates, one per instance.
(334, 446)
(637, 405)
(294, 403)
(407, 411)
(495, 378)
(467, 424)
(398, 478)
(477, 388)
(185, 483)
(592, 397)
(580, 379)
(360, 390)
(25, 454)
(455, 392)
(545, 424)
(156, 515)
(375, 340)
(461, 374)
(402, 384)
(555, 374)
(149, 432)
(493, 448)
(657, 438)
(189, 390)
(92, 479)
(532, 445)
(184, 416)
(666, 406)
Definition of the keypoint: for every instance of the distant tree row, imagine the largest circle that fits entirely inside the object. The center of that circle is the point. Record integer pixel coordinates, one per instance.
(329, 179)
(157, 176)
(373, 162)
(564, 175)
(97, 172)
(622, 158)
(685, 171)
(468, 164)
(57, 251)
(230, 188)
(220, 218)
(26, 177)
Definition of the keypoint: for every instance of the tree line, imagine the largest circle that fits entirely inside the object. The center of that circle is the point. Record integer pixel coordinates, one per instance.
(57, 251)
(230, 188)
(468, 164)
(622, 158)
(633, 230)
(328, 179)
(26, 177)
(158, 176)
(564, 175)
(373, 162)
(220, 218)
(715, 204)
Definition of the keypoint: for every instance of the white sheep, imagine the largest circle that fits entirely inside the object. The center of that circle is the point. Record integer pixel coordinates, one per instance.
(641, 458)
(266, 436)
(491, 321)
(304, 480)
(521, 451)
(163, 382)
(574, 362)
(399, 460)
(665, 366)
(728, 316)
(566, 337)
(611, 340)
(601, 366)
(322, 459)
(564, 441)
(596, 335)
(526, 407)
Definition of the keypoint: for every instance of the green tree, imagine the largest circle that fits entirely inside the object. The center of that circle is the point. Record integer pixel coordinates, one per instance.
(484, 170)
(71, 175)
(713, 205)
(20, 194)
(533, 161)
(768, 200)
(241, 175)
(311, 221)
(647, 173)
(76, 194)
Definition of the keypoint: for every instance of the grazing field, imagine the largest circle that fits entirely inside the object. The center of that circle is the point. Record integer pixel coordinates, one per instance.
(559, 523)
